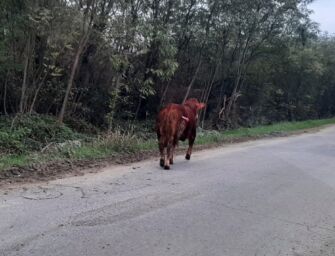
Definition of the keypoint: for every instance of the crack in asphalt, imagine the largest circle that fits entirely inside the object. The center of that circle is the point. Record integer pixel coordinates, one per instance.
(41, 193)
(128, 209)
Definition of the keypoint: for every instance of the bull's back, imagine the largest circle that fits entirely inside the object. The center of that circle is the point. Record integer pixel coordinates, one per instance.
(168, 122)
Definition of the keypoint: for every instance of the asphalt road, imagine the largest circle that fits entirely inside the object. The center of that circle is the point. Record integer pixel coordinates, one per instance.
(266, 197)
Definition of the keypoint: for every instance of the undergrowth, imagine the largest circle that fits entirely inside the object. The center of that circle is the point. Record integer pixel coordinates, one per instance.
(40, 139)
(22, 134)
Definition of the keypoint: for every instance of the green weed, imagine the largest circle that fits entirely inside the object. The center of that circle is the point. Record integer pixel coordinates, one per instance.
(121, 143)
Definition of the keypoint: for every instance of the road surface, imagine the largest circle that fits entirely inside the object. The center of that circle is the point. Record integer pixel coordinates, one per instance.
(267, 197)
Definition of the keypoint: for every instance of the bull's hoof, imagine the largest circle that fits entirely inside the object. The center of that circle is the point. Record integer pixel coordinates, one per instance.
(161, 162)
(171, 161)
(166, 167)
(188, 157)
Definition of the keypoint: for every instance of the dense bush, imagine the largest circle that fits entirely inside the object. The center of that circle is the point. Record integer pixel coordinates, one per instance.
(28, 133)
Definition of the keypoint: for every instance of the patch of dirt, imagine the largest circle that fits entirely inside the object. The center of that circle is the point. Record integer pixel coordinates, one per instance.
(56, 170)
(60, 169)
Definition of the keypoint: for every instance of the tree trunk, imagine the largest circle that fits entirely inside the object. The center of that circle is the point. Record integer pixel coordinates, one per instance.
(80, 50)
(138, 108)
(32, 105)
(239, 76)
(114, 100)
(5, 95)
(206, 96)
(192, 81)
(24, 82)
(162, 101)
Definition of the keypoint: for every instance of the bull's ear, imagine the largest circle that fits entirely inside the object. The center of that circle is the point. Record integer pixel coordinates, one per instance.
(201, 105)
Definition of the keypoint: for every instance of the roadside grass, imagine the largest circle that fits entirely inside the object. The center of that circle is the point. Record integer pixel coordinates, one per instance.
(210, 137)
(123, 144)
(8, 161)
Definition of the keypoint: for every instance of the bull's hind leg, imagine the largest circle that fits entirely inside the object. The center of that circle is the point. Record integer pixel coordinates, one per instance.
(161, 151)
(169, 154)
(190, 146)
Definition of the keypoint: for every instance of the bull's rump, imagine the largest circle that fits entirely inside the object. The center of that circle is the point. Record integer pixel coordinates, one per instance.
(170, 124)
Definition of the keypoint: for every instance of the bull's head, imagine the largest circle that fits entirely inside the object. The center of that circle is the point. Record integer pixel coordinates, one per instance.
(195, 104)
(200, 105)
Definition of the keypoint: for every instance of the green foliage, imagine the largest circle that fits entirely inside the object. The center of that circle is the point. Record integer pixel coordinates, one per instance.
(8, 161)
(253, 62)
(265, 57)
(30, 133)
(282, 128)
(119, 143)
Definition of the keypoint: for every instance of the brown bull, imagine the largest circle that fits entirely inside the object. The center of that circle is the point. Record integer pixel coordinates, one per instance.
(177, 122)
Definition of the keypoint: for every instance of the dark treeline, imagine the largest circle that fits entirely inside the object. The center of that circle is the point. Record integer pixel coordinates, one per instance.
(251, 61)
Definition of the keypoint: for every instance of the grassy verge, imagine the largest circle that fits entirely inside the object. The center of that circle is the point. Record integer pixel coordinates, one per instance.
(118, 144)
(261, 131)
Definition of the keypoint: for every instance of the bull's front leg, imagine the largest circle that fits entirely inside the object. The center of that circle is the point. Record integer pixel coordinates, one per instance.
(190, 146)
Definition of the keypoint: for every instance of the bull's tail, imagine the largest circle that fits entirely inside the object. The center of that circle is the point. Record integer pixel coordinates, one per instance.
(167, 131)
